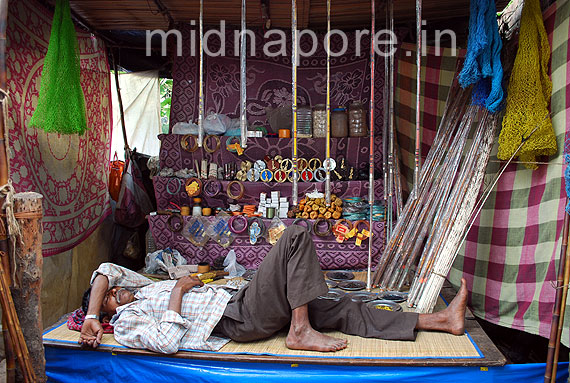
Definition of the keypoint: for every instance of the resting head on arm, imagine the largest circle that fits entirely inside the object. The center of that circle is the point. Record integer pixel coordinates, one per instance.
(181, 287)
(101, 299)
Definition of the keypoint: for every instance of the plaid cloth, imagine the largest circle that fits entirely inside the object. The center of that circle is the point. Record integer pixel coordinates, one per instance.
(437, 76)
(512, 251)
(147, 323)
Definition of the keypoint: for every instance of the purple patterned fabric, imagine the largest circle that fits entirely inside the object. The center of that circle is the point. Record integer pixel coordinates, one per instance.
(269, 78)
(332, 255)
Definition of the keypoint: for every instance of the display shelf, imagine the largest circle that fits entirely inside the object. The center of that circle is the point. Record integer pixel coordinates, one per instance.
(332, 255)
(355, 150)
(342, 189)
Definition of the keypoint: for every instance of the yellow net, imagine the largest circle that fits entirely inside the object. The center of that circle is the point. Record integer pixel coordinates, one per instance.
(529, 93)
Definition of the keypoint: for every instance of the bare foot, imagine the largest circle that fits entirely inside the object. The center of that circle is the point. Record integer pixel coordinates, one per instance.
(306, 338)
(452, 319)
(455, 312)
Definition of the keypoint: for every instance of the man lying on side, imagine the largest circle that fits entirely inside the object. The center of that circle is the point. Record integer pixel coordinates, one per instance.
(186, 314)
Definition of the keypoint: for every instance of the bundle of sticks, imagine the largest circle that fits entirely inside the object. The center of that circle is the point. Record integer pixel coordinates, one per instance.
(447, 191)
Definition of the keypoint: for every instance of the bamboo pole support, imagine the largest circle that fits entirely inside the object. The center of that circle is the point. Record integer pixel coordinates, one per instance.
(561, 319)
(29, 261)
(558, 299)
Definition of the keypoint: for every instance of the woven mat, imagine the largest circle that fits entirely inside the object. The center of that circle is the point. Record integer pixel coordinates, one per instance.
(427, 344)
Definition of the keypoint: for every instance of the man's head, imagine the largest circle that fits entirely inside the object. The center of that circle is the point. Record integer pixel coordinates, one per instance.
(115, 297)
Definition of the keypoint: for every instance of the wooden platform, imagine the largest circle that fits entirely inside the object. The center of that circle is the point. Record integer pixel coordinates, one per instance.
(430, 348)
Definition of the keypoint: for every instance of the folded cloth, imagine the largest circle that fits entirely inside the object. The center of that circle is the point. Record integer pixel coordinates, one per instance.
(76, 319)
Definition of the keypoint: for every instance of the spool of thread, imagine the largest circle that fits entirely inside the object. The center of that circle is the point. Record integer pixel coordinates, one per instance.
(284, 133)
(203, 267)
(185, 210)
(270, 212)
(206, 211)
(196, 210)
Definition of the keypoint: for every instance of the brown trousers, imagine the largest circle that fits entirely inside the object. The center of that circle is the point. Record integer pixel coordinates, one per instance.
(290, 276)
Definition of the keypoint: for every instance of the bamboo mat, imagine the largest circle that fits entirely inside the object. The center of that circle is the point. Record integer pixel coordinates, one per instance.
(426, 345)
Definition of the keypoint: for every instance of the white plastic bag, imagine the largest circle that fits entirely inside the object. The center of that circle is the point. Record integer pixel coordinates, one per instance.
(159, 261)
(216, 123)
(185, 128)
(232, 266)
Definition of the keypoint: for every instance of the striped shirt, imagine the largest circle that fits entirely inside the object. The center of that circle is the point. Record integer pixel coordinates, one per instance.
(147, 323)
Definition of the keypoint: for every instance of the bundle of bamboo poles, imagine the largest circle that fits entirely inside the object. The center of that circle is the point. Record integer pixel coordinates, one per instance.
(417, 214)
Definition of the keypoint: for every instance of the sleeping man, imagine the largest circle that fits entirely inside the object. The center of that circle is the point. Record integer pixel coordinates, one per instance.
(186, 314)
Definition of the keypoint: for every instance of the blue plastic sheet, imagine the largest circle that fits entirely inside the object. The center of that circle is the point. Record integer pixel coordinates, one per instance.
(66, 365)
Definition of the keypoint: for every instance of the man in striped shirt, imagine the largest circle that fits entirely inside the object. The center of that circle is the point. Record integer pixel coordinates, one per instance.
(185, 314)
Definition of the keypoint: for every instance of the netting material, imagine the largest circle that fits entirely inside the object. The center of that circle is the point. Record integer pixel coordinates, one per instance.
(482, 65)
(529, 93)
(61, 103)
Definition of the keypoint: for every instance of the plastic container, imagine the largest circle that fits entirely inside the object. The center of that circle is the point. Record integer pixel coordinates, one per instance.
(304, 121)
(320, 121)
(339, 123)
(357, 120)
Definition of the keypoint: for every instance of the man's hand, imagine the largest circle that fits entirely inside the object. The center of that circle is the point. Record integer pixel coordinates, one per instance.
(91, 333)
(186, 283)
(181, 287)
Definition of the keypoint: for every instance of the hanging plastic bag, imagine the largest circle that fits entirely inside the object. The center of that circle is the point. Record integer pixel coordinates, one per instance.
(116, 169)
(160, 261)
(232, 266)
(133, 203)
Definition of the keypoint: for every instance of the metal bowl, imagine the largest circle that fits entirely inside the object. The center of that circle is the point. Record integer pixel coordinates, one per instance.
(362, 296)
(340, 275)
(394, 296)
(352, 285)
(384, 305)
(333, 295)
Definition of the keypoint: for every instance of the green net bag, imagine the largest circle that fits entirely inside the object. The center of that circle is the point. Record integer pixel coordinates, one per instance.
(61, 104)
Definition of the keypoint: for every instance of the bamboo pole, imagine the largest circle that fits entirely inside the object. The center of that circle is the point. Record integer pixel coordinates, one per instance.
(417, 153)
(27, 295)
(561, 320)
(120, 99)
(558, 300)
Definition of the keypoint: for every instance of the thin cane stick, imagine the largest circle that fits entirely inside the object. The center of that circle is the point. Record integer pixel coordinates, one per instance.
(328, 143)
(295, 193)
(201, 80)
(371, 150)
(417, 153)
(243, 78)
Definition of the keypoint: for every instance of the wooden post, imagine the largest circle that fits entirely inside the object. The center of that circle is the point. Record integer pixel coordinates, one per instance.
(27, 296)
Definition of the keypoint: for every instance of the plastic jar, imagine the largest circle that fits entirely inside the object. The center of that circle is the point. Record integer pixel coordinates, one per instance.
(339, 123)
(320, 121)
(304, 121)
(357, 120)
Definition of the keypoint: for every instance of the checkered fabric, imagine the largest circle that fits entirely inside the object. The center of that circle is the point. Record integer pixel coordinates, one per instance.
(437, 76)
(512, 251)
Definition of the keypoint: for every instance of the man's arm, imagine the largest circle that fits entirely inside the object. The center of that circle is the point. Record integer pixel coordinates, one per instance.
(138, 330)
(91, 331)
(183, 285)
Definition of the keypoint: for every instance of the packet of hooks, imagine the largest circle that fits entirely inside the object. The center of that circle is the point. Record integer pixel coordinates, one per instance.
(195, 231)
(275, 230)
(219, 230)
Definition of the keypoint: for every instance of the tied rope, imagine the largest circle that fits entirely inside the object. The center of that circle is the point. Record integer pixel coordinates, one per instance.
(14, 232)
(529, 93)
(482, 66)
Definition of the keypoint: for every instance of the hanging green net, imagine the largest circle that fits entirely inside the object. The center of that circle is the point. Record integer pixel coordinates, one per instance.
(61, 104)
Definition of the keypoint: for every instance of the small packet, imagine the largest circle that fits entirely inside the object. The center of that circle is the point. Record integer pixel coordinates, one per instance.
(195, 231)
(220, 231)
(275, 230)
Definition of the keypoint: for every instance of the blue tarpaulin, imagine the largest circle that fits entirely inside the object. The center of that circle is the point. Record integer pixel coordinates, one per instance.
(72, 366)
